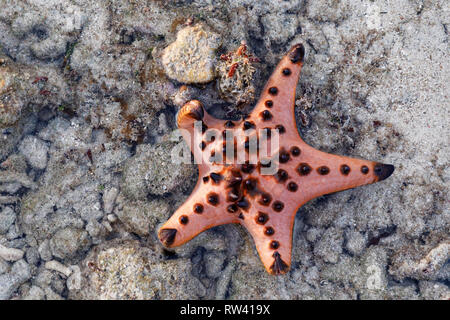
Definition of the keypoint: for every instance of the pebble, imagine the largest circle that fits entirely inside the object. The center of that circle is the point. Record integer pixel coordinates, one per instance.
(32, 255)
(68, 242)
(9, 282)
(44, 278)
(74, 281)
(35, 293)
(4, 266)
(7, 218)
(312, 234)
(127, 270)
(330, 245)
(45, 251)
(356, 242)
(107, 226)
(95, 230)
(8, 199)
(35, 151)
(58, 266)
(14, 233)
(111, 218)
(10, 254)
(159, 176)
(109, 198)
(420, 263)
(52, 295)
(431, 290)
(214, 264)
(191, 58)
(140, 217)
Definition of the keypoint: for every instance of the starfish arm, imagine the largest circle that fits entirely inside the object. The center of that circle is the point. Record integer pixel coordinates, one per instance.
(272, 234)
(276, 106)
(205, 208)
(317, 173)
(199, 129)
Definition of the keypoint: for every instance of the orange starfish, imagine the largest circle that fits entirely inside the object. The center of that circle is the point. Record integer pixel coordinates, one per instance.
(265, 205)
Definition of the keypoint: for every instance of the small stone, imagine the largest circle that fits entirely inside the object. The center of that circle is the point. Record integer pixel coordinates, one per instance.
(10, 254)
(22, 291)
(35, 293)
(43, 278)
(152, 170)
(57, 266)
(20, 98)
(141, 216)
(191, 58)
(12, 181)
(4, 266)
(10, 282)
(11, 188)
(58, 283)
(420, 262)
(45, 251)
(431, 290)
(279, 28)
(7, 218)
(74, 281)
(14, 232)
(214, 264)
(69, 242)
(50, 48)
(312, 234)
(15, 162)
(402, 292)
(128, 270)
(356, 242)
(109, 198)
(107, 225)
(95, 230)
(8, 200)
(111, 218)
(329, 246)
(32, 255)
(52, 295)
(35, 151)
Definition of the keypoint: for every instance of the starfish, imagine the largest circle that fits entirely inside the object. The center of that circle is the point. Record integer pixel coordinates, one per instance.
(232, 191)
